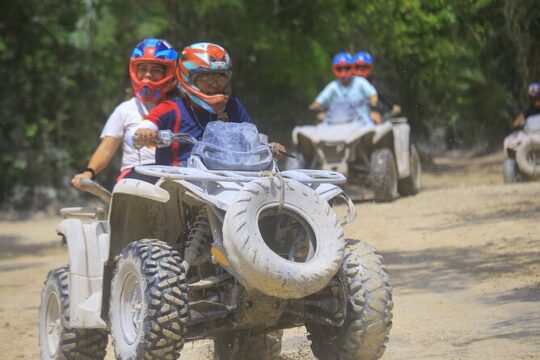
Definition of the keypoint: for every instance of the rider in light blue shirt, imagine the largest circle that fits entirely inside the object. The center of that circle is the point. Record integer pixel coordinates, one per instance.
(347, 87)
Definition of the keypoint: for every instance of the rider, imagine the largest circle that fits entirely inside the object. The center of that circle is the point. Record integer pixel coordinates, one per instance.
(533, 108)
(152, 72)
(363, 67)
(204, 72)
(348, 88)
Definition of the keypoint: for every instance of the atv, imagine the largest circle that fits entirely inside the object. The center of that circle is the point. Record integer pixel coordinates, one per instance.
(227, 248)
(377, 157)
(522, 150)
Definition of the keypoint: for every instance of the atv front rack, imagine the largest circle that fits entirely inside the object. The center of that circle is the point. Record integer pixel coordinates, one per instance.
(192, 174)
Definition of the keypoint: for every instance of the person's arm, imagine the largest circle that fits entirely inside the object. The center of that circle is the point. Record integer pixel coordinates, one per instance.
(315, 106)
(99, 160)
(519, 120)
(323, 99)
(146, 132)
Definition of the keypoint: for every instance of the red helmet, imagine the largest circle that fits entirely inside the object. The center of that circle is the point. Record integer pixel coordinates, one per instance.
(342, 66)
(363, 64)
(155, 51)
(204, 58)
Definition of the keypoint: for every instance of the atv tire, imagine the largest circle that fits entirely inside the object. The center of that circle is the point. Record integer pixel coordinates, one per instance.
(525, 157)
(383, 175)
(147, 306)
(412, 183)
(511, 172)
(368, 317)
(257, 265)
(244, 346)
(56, 339)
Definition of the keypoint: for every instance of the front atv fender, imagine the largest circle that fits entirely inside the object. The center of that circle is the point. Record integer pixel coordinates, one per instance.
(395, 137)
(88, 248)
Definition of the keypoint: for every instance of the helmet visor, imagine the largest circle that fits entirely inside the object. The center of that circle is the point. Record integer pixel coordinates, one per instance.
(362, 67)
(212, 83)
(343, 68)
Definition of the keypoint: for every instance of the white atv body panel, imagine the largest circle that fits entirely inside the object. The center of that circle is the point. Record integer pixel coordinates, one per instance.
(142, 189)
(402, 149)
(88, 247)
(351, 132)
(332, 133)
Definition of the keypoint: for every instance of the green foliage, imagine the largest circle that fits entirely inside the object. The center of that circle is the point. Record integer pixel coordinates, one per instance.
(460, 64)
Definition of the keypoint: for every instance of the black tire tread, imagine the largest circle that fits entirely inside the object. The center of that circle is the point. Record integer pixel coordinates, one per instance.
(510, 171)
(167, 306)
(406, 186)
(369, 319)
(76, 344)
(380, 180)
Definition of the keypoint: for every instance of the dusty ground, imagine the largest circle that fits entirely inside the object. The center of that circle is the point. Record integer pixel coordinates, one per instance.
(464, 256)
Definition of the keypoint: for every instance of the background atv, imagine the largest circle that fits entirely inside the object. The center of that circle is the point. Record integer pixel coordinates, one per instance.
(227, 248)
(379, 157)
(522, 150)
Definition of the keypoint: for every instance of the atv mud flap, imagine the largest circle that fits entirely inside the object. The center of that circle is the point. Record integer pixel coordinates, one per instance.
(88, 247)
(402, 148)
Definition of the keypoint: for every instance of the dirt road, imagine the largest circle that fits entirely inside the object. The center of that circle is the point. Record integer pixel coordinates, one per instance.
(464, 256)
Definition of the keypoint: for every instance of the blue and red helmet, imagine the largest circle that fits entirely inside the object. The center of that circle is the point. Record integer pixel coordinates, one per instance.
(204, 58)
(342, 66)
(153, 51)
(363, 64)
(534, 89)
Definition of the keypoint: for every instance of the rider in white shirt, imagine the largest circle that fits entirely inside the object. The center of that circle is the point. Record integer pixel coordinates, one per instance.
(152, 69)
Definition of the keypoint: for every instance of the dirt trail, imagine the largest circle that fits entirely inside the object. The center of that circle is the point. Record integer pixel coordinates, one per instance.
(464, 256)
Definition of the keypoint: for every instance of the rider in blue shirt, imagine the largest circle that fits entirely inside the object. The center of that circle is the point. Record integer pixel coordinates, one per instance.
(347, 87)
(204, 72)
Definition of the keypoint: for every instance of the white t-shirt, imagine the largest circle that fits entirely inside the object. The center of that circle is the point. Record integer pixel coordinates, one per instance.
(128, 114)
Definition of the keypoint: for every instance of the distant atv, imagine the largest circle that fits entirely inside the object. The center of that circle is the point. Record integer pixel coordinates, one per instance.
(522, 150)
(227, 248)
(379, 157)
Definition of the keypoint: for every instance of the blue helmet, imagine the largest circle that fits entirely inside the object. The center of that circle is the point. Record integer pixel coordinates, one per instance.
(155, 51)
(534, 89)
(363, 64)
(342, 66)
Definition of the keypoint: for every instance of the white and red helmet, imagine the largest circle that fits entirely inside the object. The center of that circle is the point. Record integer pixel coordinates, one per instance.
(201, 58)
(155, 51)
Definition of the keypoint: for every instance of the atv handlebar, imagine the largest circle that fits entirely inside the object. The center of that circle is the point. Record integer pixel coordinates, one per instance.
(97, 190)
(167, 137)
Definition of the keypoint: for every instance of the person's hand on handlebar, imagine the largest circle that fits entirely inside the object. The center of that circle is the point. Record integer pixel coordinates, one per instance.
(76, 181)
(278, 150)
(145, 137)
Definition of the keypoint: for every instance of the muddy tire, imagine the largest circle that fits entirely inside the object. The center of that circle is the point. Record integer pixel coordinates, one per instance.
(244, 346)
(315, 244)
(527, 157)
(411, 184)
(56, 340)
(383, 175)
(147, 307)
(369, 314)
(511, 172)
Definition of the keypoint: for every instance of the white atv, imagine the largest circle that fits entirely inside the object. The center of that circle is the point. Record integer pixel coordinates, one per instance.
(227, 248)
(522, 150)
(379, 157)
